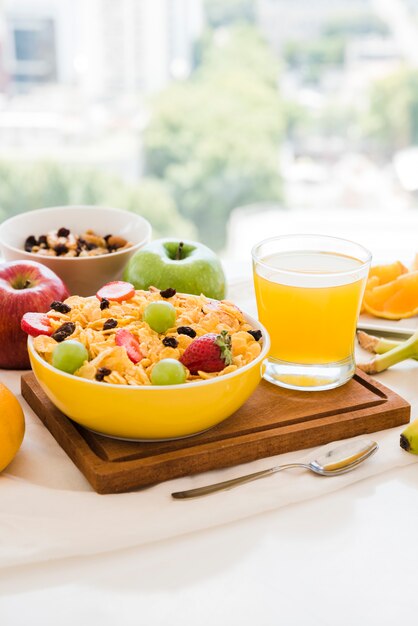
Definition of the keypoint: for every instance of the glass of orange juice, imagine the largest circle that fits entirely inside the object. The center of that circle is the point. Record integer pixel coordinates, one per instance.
(309, 290)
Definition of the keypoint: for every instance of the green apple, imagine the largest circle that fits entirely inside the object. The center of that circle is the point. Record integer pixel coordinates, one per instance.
(186, 266)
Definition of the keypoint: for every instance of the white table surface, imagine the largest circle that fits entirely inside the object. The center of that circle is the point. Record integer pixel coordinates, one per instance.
(349, 557)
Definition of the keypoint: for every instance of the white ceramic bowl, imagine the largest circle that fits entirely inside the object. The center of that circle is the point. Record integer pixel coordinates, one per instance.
(82, 275)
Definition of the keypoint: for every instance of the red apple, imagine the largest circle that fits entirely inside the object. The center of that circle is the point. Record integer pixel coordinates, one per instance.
(24, 286)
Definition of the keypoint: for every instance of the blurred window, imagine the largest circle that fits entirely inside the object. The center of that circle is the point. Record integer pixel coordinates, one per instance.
(34, 50)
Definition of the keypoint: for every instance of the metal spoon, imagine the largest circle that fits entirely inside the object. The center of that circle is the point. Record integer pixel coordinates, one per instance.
(332, 462)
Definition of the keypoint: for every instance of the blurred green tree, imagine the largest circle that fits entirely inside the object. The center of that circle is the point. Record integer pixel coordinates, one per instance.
(215, 138)
(392, 117)
(28, 186)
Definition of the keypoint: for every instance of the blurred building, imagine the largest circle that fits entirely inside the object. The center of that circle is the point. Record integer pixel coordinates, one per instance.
(284, 20)
(101, 46)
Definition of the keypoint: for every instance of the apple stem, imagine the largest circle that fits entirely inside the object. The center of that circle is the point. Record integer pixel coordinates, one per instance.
(179, 251)
(21, 283)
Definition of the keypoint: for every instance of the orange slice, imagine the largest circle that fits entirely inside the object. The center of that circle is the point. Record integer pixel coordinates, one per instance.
(389, 272)
(395, 300)
(382, 274)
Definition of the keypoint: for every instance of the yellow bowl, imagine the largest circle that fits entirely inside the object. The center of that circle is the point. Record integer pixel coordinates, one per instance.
(150, 412)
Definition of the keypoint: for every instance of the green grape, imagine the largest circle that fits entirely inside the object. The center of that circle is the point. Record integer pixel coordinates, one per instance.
(69, 355)
(160, 316)
(168, 372)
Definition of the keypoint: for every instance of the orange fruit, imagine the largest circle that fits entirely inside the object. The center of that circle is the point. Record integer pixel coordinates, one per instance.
(12, 426)
(387, 273)
(395, 300)
(382, 274)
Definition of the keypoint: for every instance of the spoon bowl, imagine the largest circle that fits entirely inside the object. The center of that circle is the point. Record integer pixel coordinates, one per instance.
(333, 461)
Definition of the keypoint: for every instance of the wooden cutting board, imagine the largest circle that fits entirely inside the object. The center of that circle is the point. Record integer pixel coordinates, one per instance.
(272, 421)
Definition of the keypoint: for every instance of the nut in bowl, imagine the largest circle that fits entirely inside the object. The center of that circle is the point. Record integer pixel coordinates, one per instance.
(52, 237)
(155, 365)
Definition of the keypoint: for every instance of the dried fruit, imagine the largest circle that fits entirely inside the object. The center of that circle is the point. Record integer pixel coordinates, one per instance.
(168, 293)
(30, 243)
(104, 304)
(60, 307)
(186, 330)
(256, 334)
(61, 249)
(170, 342)
(64, 331)
(209, 353)
(109, 324)
(102, 372)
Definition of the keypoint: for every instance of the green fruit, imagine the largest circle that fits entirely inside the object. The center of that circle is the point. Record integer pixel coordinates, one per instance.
(160, 316)
(69, 355)
(188, 268)
(409, 438)
(168, 372)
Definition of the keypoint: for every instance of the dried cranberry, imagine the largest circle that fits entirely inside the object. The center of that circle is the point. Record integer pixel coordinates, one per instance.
(104, 304)
(102, 372)
(168, 293)
(63, 331)
(186, 330)
(170, 342)
(110, 323)
(63, 232)
(257, 334)
(61, 307)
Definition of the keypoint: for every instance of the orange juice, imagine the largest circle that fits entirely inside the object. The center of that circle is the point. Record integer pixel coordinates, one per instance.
(309, 303)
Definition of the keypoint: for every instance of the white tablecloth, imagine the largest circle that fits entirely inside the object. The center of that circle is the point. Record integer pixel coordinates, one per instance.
(48, 510)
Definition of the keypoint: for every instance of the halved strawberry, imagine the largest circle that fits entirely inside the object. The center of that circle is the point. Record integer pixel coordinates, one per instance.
(117, 290)
(126, 339)
(36, 324)
(209, 353)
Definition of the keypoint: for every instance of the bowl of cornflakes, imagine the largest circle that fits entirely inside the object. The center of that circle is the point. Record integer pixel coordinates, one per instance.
(146, 365)
(85, 245)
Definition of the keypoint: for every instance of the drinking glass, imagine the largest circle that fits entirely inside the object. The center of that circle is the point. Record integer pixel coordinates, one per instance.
(309, 290)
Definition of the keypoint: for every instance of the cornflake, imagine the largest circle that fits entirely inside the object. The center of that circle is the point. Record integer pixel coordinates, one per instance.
(197, 314)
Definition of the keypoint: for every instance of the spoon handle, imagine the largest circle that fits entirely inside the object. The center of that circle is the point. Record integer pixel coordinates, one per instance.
(228, 484)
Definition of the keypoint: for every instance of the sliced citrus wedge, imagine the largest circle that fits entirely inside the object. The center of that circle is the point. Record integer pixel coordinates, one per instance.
(381, 275)
(395, 300)
(387, 273)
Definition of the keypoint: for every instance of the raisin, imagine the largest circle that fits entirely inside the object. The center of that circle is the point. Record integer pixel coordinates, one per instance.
(63, 331)
(110, 323)
(43, 241)
(186, 330)
(104, 304)
(168, 293)
(61, 249)
(257, 334)
(102, 372)
(30, 242)
(60, 307)
(63, 232)
(170, 342)
(106, 237)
